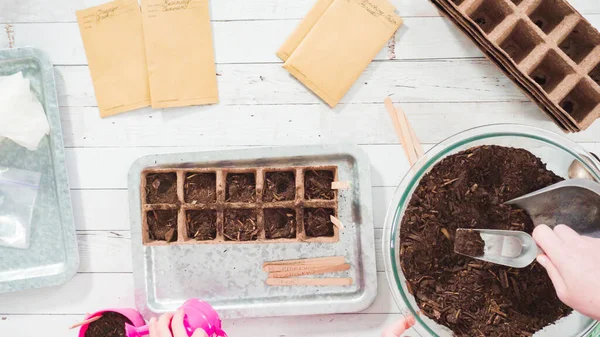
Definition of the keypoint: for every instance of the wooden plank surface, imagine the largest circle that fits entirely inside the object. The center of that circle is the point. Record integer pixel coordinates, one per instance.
(436, 74)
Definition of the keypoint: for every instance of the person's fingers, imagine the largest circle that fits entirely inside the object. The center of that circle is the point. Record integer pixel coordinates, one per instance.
(162, 326)
(152, 327)
(566, 233)
(547, 239)
(555, 277)
(199, 333)
(398, 328)
(177, 325)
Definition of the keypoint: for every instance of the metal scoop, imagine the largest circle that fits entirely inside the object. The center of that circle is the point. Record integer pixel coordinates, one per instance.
(509, 248)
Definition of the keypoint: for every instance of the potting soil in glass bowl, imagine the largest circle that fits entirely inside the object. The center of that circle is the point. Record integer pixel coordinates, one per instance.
(462, 183)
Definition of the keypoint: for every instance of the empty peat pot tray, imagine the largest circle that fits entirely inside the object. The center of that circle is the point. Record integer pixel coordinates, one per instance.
(203, 224)
(238, 205)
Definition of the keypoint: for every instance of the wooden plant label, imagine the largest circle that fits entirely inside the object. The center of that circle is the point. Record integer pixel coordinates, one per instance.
(310, 271)
(330, 260)
(309, 281)
(340, 185)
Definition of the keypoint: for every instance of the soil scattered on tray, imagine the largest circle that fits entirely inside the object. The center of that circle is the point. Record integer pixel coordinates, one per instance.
(202, 225)
(472, 297)
(280, 223)
(469, 242)
(111, 324)
(240, 225)
(317, 222)
(200, 188)
(240, 187)
(162, 225)
(317, 185)
(279, 186)
(161, 188)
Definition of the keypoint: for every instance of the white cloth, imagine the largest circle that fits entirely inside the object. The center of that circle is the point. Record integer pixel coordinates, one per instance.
(22, 117)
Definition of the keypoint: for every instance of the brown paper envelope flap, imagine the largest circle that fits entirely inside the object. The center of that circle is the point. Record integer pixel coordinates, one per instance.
(302, 29)
(340, 46)
(114, 44)
(180, 53)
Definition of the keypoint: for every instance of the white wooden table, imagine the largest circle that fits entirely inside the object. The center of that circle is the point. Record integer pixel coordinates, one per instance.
(435, 73)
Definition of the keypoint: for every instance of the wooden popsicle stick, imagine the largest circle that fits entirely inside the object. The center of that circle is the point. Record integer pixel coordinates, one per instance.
(340, 185)
(87, 321)
(418, 147)
(336, 222)
(402, 131)
(309, 281)
(292, 267)
(310, 271)
(316, 260)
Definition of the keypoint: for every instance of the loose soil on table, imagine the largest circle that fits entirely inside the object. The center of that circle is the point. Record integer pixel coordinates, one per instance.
(240, 225)
(161, 188)
(240, 187)
(280, 223)
(317, 185)
(111, 324)
(202, 225)
(317, 222)
(279, 186)
(200, 188)
(469, 242)
(471, 297)
(162, 225)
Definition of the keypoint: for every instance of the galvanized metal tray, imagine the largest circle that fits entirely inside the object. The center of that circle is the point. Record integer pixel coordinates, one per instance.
(52, 257)
(230, 276)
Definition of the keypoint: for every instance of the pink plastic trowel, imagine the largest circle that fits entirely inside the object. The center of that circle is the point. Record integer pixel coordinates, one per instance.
(198, 315)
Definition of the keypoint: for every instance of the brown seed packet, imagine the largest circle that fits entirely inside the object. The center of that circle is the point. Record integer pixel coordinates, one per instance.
(340, 45)
(179, 51)
(114, 44)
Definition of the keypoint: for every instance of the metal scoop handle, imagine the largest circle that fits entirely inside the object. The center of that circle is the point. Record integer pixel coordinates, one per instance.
(509, 248)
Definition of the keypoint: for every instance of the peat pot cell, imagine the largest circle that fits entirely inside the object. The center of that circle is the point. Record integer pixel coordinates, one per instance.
(110, 324)
(489, 14)
(162, 225)
(201, 225)
(317, 222)
(161, 188)
(549, 13)
(280, 223)
(200, 188)
(317, 184)
(580, 42)
(240, 225)
(551, 71)
(240, 187)
(595, 74)
(279, 186)
(520, 42)
(580, 101)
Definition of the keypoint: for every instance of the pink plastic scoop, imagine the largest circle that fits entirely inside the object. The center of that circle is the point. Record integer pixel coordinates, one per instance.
(198, 315)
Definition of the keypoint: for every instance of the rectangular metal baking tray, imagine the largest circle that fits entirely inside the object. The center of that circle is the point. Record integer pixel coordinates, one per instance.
(52, 257)
(230, 276)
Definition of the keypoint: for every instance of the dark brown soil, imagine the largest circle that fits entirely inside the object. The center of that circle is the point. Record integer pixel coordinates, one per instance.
(468, 242)
(240, 225)
(317, 222)
(474, 298)
(202, 225)
(161, 188)
(279, 186)
(280, 223)
(317, 185)
(200, 188)
(111, 324)
(162, 225)
(240, 187)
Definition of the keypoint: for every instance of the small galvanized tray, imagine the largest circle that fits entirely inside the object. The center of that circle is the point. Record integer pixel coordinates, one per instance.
(229, 276)
(52, 257)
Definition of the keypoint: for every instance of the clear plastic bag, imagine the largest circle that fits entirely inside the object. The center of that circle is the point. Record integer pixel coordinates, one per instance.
(18, 192)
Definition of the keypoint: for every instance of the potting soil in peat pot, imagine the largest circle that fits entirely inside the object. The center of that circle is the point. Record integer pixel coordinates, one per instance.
(471, 297)
(111, 324)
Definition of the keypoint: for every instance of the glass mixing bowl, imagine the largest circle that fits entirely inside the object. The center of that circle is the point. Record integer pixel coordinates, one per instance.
(556, 151)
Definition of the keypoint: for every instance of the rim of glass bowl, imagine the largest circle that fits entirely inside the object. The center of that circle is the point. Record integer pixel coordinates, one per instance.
(410, 180)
